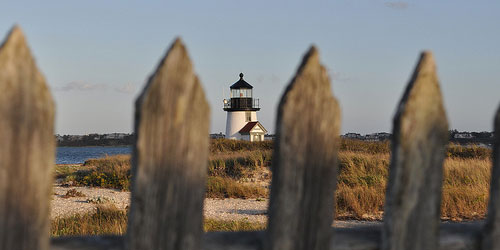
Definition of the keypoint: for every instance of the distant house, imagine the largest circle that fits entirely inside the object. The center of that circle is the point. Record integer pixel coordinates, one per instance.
(371, 137)
(220, 135)
(253, 131)
(353, 136)
(384, 136)
(269, 137)
(463, 135)
(378, 136)
(59, 138)
(75, 137)
(115, 136)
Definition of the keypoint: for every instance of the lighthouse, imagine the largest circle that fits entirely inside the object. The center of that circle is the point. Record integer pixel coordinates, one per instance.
(241, 108)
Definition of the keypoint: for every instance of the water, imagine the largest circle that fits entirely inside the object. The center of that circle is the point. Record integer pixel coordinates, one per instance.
(76, 155)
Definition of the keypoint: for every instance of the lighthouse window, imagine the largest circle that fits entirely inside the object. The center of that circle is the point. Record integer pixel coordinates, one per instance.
(246, 93)
(241, 93)
(248, 116)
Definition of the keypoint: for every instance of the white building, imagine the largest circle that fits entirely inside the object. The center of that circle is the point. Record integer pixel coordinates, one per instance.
(115, 136)
(463, 135)
(217, 136)
(241, 108)
(253, 131)
(353, 136)
(268, 137)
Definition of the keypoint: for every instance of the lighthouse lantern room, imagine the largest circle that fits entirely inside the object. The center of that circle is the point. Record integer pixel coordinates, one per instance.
(241, 108)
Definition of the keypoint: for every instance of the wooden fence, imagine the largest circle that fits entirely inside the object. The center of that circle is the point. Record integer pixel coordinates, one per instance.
(170, 160)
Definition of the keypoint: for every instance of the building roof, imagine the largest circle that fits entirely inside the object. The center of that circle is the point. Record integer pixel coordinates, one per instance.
(241, 84)
(249, 126)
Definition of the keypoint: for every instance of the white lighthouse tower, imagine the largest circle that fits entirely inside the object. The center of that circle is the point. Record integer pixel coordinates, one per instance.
(242, 123)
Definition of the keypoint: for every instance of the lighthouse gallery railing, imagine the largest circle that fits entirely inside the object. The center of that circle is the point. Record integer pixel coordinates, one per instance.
(241, 103)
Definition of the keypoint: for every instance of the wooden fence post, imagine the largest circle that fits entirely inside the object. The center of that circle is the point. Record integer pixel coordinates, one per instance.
(420, 136)
(27, 151)
(170, 158)
(491, 236)
(305, 161)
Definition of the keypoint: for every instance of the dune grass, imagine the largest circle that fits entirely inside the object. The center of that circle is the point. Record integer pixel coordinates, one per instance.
(213, 225)
(108, 220)
(225, 170)
(225, 145)
(465, 188)
(223, 187)
(362, 182)
(362, 179)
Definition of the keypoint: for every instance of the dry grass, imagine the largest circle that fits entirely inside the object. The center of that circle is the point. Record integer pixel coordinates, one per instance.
(363, 178)
(212, 225)
(239, 165)
(226, 145)
(384, 147)
(73, 193)
(108, 220)
(223, 187)
(109, 162)
(361, 184)
(351, 145)
(465, 188)
(363, 171)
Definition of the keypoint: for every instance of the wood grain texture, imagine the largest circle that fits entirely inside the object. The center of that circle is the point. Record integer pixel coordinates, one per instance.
(88, 243)
(27, 151)
(492, 228)
(411, 217)
(304, 161)
(453, 236)
(170, 156)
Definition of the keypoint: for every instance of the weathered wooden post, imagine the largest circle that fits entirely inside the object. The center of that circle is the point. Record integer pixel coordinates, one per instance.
(305, 161)
(169, 160)
(27, 151)
(491, 236)
(412, 211)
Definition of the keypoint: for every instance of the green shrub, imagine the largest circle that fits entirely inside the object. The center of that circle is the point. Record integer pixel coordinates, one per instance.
(468, 151)
(106, 172)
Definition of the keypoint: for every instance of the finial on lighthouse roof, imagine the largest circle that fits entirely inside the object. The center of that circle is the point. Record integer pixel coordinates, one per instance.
(241, 84)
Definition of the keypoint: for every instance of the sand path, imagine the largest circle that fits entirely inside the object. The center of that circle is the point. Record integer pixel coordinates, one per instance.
(223, 209)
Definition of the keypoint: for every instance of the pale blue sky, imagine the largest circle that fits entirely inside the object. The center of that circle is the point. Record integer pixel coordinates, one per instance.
(96, 55)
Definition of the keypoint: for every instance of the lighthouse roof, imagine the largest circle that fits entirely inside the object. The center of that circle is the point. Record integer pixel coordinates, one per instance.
(241, 84)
